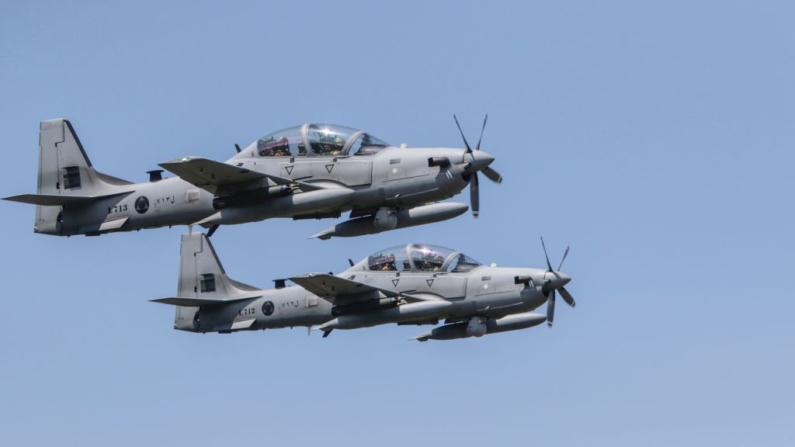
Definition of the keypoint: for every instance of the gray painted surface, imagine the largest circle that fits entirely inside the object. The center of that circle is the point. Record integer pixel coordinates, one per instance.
(412, 284)
(261, 182)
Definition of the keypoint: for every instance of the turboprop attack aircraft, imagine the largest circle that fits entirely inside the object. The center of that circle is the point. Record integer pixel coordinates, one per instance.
(415, 284)
(311, 171)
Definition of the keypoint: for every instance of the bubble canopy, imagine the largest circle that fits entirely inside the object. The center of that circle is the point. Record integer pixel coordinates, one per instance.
(420, 258)
(314, 140)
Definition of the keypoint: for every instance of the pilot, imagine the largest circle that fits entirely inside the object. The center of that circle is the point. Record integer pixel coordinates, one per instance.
(339, 143)
(282, 147)
(437, 262)
(389, 265)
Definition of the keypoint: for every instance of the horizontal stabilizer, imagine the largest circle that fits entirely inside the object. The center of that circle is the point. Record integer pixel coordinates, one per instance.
(208, 174)
(201, 302)
(59, 200)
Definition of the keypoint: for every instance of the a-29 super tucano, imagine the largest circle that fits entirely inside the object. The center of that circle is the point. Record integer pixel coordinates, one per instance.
(414, 284)
(304, 172)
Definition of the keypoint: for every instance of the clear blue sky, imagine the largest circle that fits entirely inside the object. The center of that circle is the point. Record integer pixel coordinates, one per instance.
(655, 139)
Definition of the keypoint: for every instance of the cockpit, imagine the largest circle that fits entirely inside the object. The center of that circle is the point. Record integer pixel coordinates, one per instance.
(420, 258)
(314, 140)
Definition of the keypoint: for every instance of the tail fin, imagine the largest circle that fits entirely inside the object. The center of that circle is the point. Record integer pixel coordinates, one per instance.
(201, 274)
(64, 167)
(203, 283)
(202, 279)
(65, 170)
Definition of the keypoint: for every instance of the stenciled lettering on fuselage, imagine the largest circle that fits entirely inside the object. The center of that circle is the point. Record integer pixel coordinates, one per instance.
(288, 304)
(165, 200)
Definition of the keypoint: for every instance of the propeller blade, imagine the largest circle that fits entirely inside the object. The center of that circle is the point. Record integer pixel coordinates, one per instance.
(474, 194)
(469, 149)
(567, 297)
(545, 254)
(477, 148)
(492, 175)
(551, 308)
(564, 258)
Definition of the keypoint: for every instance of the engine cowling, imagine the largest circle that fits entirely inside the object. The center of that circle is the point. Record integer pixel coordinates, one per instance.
(476, 327)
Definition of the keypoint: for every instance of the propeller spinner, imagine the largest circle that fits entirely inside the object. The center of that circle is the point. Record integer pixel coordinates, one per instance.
(555, 280)
(474, 165)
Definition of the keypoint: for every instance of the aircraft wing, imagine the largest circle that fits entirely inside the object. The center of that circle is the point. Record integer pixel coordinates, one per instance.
(211, 175)
(340, 291)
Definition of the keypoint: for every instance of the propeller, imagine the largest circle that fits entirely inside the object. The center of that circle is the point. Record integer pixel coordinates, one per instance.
(556, 282)
(474, 195)
(472, 177)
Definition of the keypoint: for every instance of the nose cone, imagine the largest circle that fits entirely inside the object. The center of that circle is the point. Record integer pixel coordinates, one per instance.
(557, 279)
(563, 279)
(481, 160)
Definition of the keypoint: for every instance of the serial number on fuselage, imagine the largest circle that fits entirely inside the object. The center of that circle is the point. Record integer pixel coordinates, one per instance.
(283, 305)
(142, 204)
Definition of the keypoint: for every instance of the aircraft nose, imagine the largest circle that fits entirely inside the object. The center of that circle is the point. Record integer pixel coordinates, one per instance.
(563, 279)
(481, 160)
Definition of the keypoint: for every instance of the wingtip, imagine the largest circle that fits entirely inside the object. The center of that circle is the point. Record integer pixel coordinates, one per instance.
(323, 235)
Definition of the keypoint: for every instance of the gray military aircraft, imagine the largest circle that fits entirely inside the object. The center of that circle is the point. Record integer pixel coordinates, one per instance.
(304, 172)
(413, 284)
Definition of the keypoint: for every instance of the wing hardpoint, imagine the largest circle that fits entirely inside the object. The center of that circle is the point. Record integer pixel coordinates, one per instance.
(211, 175)
(340, 291)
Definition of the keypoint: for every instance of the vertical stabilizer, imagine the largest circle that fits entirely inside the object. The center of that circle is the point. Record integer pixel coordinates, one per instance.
(64, 169)
(202, 276)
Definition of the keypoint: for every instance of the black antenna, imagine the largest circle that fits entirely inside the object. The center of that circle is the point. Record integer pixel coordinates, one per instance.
(156, 175)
